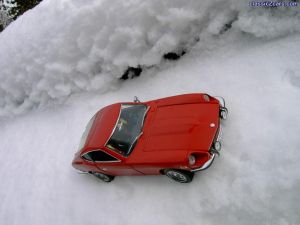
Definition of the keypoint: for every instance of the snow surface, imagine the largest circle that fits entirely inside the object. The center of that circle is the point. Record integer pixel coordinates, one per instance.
(65, 47)
(256, 180)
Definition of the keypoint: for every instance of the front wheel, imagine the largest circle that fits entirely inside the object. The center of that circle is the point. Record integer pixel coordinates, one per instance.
(180, 176)
(103, 177)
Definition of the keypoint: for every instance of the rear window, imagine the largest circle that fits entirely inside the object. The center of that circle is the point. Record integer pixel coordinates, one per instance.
(86, 132)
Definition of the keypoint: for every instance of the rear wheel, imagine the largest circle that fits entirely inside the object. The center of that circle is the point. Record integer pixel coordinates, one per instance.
(103, 177)
(180, 176)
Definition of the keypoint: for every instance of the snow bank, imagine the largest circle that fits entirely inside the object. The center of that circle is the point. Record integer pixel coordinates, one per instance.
(65, 47)
(256, 179)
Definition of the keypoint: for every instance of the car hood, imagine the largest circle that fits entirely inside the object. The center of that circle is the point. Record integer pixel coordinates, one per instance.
(182, 127)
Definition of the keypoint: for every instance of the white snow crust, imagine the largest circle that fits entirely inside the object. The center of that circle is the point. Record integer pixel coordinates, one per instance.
(65, 47)
(66, 57)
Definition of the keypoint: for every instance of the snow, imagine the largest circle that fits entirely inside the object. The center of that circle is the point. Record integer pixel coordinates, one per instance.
(72, 71)
(64, 47)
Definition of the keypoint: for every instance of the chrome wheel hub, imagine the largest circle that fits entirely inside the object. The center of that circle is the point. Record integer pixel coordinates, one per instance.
(102, 176)
(177, 176)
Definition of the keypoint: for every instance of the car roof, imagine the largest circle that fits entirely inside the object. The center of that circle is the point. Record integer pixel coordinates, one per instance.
(102, 127)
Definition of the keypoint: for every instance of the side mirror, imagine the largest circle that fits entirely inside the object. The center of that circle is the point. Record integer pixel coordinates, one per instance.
(136, 99)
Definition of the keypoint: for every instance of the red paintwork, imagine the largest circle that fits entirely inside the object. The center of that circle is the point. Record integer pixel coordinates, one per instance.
(174, 128)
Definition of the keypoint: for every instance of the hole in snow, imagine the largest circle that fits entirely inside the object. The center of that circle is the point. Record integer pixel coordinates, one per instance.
(228, 25)
(131, 72)
(173, 55)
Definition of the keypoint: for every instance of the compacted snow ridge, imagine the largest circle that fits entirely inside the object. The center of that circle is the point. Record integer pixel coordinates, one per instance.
(64, 60)
(65, 47)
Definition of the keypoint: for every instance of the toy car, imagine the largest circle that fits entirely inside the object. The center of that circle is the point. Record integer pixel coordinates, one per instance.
(174, 136)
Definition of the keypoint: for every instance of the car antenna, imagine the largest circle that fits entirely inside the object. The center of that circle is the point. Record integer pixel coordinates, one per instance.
(136, 99)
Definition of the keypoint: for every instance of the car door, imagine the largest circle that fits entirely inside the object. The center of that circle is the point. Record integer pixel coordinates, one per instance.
(109, 163)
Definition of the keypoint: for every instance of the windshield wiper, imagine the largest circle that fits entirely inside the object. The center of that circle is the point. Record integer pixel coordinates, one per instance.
(134, 143)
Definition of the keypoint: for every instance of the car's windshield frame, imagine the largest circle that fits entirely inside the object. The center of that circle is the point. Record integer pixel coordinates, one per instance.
(119, 138)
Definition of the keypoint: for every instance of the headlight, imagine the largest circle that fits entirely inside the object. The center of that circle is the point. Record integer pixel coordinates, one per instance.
(192, 160)
(217, 146)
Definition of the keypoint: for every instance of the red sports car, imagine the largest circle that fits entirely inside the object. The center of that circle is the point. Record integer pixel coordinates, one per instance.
(175, 136)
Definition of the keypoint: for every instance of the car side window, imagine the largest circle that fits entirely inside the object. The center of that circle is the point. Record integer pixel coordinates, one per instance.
(99, 156)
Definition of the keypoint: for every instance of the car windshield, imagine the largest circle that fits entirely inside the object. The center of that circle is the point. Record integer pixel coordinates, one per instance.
(128, 128)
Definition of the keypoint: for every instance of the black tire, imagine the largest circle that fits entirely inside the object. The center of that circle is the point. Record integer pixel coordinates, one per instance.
(180, 176)
(103, 177)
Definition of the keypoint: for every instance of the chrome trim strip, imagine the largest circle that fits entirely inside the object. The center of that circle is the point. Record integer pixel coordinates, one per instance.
(148, 107)
(137, 137)
(221, 100)
(220, 133)
(205, 165)
(117, 160)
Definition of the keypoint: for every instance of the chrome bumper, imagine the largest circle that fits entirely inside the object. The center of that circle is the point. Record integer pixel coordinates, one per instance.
(205, 165)
(213, 155)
